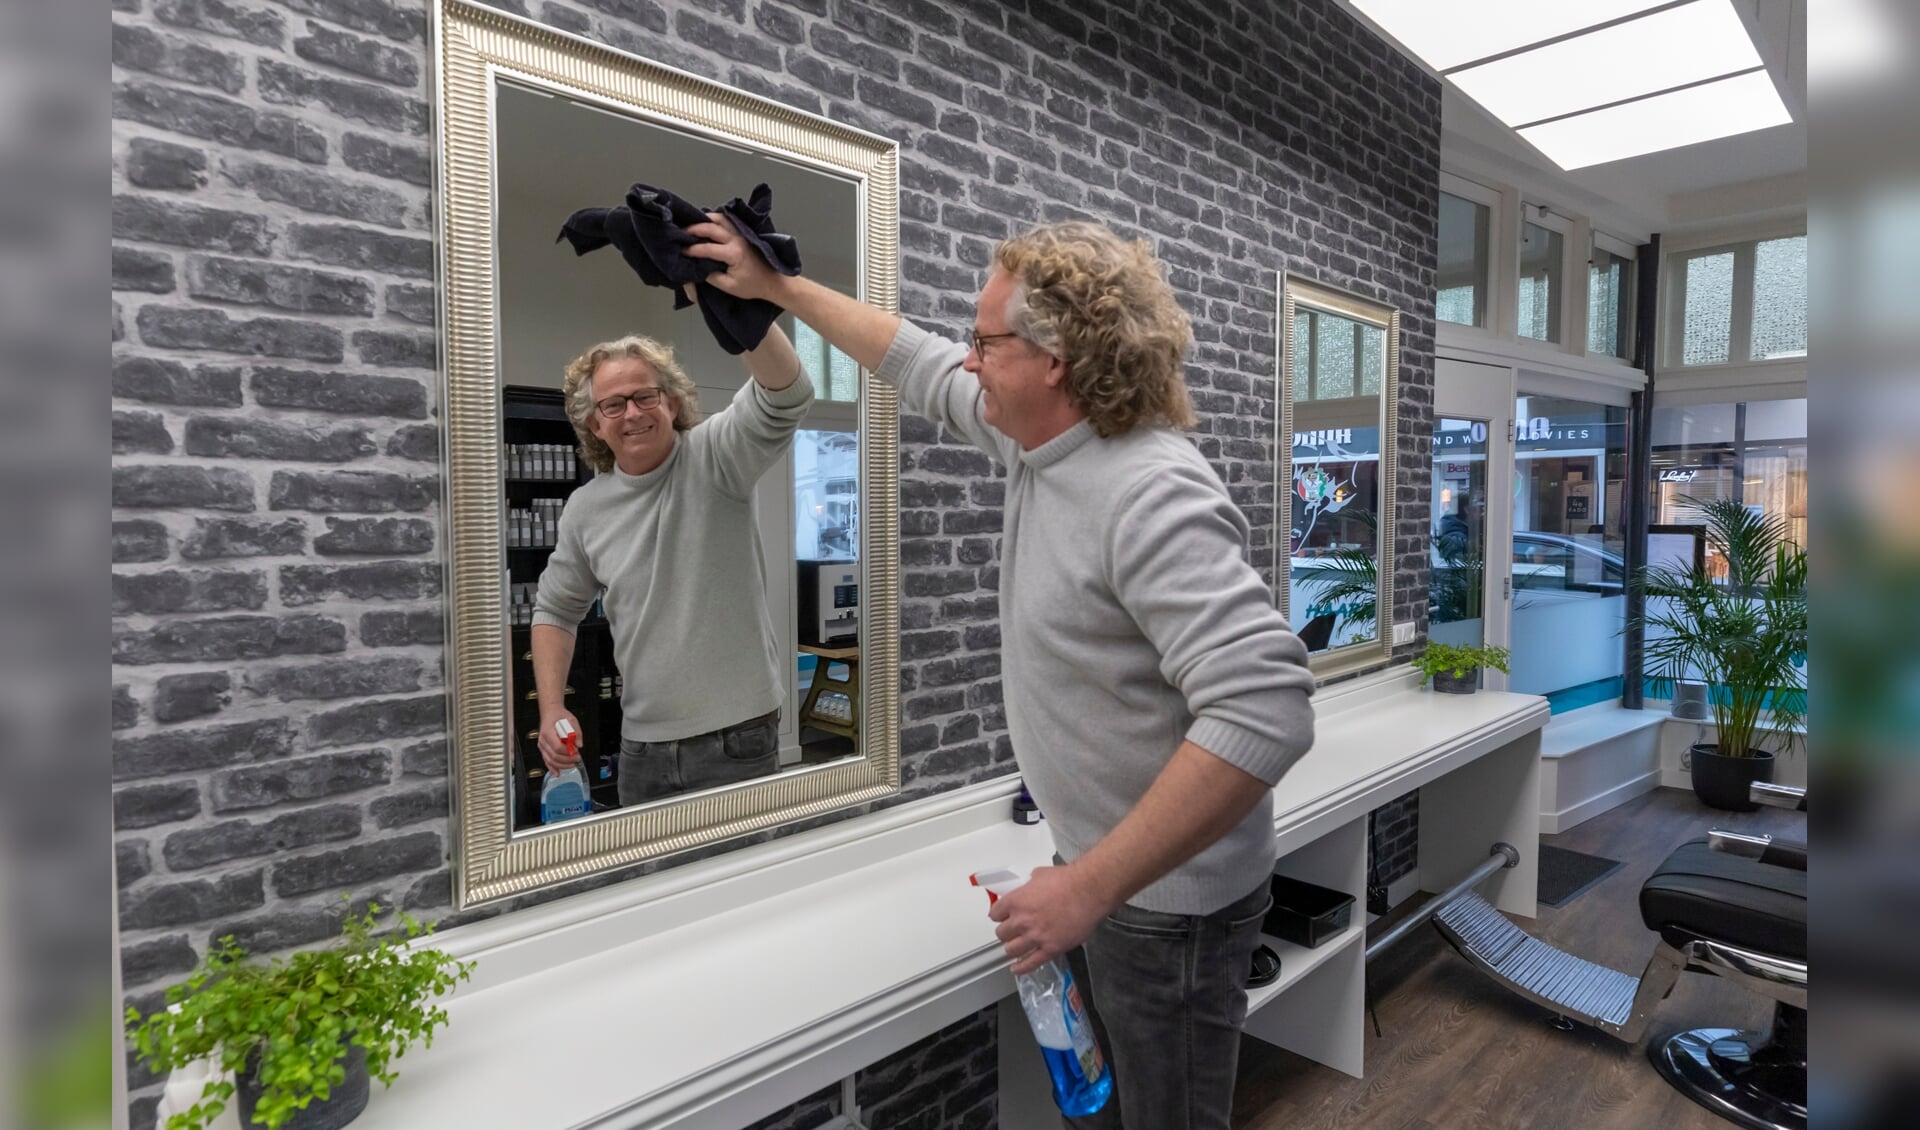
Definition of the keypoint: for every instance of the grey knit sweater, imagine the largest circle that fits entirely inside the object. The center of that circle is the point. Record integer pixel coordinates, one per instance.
(678, 552)
(1130, 620)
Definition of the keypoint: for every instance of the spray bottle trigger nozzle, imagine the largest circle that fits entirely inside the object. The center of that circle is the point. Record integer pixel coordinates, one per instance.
(997, 882)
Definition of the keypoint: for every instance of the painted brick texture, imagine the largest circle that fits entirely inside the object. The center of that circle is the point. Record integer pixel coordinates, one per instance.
(278, 678)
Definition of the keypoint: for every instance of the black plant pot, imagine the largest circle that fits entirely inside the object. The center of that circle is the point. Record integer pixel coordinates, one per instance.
(1722, 782)
(1446, 682)
(336, 1110)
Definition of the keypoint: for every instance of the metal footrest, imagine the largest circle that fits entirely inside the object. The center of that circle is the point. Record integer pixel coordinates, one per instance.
(1574, 987)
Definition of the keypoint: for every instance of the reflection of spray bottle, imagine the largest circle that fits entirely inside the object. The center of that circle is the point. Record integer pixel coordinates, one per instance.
(1081, 1079)
(564, 796)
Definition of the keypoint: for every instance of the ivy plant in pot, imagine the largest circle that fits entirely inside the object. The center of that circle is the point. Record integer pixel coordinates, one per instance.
(296, 1038)
(1741, 628)
(1456, 670)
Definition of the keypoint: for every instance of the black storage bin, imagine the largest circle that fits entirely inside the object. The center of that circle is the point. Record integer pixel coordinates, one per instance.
(1306, 914)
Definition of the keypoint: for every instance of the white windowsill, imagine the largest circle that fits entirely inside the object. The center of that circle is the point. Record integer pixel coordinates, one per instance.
(1581, 729)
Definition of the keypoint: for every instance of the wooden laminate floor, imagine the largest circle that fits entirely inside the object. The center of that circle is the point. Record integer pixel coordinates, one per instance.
(1461, 1051)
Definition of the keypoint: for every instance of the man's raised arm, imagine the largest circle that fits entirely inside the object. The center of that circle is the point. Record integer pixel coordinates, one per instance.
(856, 329)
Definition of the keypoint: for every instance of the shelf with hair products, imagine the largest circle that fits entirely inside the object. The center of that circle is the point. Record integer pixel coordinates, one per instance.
(542, 468)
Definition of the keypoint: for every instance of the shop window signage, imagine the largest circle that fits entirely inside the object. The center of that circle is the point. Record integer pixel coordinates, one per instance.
(1474, 434)
(1543, 428)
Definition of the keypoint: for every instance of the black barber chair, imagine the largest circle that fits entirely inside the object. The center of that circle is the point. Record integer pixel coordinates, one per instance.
(1736, 906)
(1317, 632)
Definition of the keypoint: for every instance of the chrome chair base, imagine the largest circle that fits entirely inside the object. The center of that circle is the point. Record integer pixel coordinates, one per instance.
(1751, 1079)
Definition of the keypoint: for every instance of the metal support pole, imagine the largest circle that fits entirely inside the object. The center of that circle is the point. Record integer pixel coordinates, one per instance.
(1637, 492)
(1502, 856)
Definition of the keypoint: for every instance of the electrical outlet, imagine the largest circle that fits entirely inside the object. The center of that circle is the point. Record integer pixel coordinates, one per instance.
(1403, 633)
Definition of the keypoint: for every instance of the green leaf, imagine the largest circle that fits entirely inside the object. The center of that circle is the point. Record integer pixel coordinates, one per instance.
(289, 1019)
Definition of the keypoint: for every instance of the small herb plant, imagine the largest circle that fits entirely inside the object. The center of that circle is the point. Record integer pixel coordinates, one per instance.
(1440, 658)
(290, 1021)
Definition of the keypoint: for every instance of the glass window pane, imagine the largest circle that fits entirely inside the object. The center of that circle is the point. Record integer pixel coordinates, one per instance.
(1609, 305)
(843, 380)
(1462, 277)
(1756, 453)
(1333, 573)
(1373, 359)
(1335, 543)
(1776, 419)
(1708, 317)
(1780, 298)
(1335, 357)
(1457, 583)
(1540, 256)
(1334, 360)
(1569, 582)
(835, 376)
(826, 495)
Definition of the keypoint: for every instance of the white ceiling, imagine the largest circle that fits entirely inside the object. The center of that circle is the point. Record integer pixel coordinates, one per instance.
(1745, 178)
(557, 155)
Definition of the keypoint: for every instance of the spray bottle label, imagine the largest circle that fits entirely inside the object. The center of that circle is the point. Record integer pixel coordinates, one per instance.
(1085, 1048)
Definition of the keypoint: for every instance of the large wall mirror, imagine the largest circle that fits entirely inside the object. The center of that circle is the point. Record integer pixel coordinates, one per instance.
(685, 572)
(1339, 407)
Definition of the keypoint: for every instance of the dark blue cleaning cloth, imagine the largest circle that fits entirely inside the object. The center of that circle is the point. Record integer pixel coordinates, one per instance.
(651, 233)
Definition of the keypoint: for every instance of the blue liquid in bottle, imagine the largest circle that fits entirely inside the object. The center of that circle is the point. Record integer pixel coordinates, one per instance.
(564, 796)
(1082, 1081)
(1078, 1096)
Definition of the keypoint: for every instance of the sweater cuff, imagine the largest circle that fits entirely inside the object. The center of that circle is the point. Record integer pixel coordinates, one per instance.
(796, 395)
(542, 616)
(906, 342)
(1262, 756)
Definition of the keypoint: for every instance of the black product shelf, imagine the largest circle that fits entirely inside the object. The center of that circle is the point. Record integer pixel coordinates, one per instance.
(538, 416)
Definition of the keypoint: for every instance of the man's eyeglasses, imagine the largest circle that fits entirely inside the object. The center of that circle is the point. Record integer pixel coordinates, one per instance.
(614, 407)
(980, 341)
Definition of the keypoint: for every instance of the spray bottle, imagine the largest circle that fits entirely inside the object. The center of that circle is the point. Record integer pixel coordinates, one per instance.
(564, 796)
(1082, 1081)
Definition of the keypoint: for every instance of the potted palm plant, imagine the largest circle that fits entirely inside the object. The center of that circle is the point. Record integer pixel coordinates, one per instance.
(296, 1039)
(1349, 579)
(1744, 634)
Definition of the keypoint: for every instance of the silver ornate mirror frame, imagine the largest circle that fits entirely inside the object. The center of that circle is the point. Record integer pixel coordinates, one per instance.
(1296, 292)
(474, 46)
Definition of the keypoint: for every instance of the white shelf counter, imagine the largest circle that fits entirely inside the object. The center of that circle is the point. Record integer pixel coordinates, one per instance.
(712, 994)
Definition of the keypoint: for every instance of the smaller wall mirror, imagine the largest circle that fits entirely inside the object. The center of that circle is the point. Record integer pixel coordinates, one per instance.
(1339, 399)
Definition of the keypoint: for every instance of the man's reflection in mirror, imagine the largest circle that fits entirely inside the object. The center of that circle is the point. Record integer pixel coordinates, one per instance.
(665, 536)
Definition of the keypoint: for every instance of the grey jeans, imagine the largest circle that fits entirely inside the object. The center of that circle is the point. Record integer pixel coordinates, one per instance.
(740, 752)
(1168, 993)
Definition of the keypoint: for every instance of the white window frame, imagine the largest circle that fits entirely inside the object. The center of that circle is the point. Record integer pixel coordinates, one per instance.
(1740, 316)
(1499, 342)
(1729, 375)
(1573, 316)
(1601, 241)
(1500, 320)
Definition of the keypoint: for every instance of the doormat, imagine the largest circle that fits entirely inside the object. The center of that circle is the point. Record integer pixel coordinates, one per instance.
(1566, 875)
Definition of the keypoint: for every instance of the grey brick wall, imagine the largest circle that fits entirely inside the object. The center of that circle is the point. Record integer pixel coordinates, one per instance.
(1395, 848)
(278, 687)
(948, 1080)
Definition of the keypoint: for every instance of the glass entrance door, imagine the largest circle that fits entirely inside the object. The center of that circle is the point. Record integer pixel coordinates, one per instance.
(1457, 587)
(1470, 565)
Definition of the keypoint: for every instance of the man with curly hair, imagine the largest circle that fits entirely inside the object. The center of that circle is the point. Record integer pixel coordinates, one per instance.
(1153, 692)
(665, 536)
